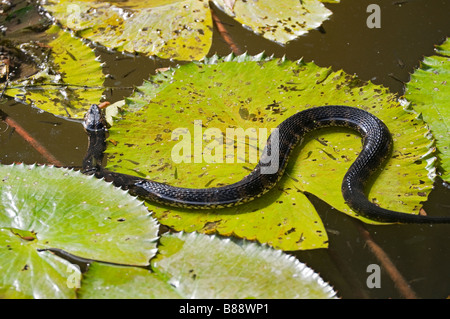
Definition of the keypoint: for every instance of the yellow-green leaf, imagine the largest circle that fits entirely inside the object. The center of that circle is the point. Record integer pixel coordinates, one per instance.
(279, 21)
(105, 281)
(43, 209)
(171, 29)
(69, 79)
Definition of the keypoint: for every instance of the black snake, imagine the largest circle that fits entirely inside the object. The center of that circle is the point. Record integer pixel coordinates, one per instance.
(377, 144)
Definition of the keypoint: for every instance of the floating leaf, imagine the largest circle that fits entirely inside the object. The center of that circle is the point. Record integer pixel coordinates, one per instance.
(279, 21)
(69, 77)
(253, 92)
(428, 91)
(199, 266)
(44, 208)
(170, 29)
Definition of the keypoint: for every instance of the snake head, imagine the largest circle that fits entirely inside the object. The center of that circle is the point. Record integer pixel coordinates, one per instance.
(94, 120)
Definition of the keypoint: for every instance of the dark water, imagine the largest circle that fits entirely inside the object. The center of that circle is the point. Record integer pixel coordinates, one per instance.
(387, 56)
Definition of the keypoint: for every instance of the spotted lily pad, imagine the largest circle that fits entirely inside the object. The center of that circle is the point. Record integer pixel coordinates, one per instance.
(45, 210)
(198, 266)
(428, 90)
(178, 29)
(69, 77)
(279, 21)
(256, 93)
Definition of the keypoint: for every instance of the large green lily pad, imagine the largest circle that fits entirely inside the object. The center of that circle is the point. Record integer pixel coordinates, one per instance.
(45, 209)
(254, 92)
(428, 90)
(29, 273)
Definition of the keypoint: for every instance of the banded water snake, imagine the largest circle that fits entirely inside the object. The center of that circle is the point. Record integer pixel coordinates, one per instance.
(377, 145)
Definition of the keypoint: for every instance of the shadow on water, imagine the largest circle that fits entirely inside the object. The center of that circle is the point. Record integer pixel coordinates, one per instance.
(387, 56)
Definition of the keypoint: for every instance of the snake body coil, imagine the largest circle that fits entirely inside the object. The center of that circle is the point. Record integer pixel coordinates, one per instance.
(377, 144)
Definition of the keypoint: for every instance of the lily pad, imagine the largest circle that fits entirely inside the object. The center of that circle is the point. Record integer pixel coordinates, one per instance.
(45, 208)
(198, 266)
(201, 266)
(103, 281)
(428, 91)
(259, 93)
(69, 77)
(170, 29)
(30, 273)
(278, 21)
